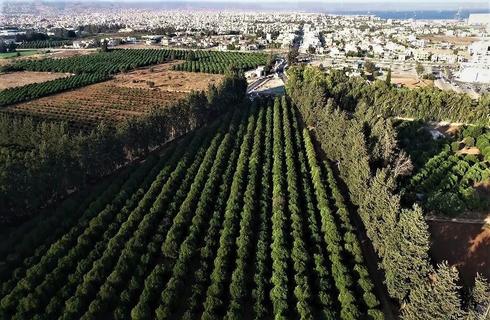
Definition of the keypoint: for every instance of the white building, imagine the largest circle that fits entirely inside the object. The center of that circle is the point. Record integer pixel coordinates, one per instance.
(475, 74)
(479, 19)
(478, 67)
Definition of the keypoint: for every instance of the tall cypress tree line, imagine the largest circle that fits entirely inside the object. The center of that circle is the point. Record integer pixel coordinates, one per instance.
(399, 236)
(41, 162)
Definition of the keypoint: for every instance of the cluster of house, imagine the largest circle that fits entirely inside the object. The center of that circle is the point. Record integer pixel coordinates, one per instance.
(477, 69)
(398, 40)
(335, 36)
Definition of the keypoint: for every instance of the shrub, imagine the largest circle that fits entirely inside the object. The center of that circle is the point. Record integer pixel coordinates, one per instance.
(482, 142)
(471, 158)
(375, 314)
(455, 146)
(469, 141)
(486, 153)
(472, 131)
(370, 300)
(447, 202)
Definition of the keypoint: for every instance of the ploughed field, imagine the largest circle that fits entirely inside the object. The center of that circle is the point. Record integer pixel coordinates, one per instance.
(239, 219)
(127, 95)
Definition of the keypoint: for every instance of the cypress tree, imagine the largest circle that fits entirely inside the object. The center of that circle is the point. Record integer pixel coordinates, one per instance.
(388, 77)
(435, 298)
(480, 299)
(411, 258)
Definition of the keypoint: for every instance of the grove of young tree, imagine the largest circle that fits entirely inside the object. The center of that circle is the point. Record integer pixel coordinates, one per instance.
(240, 212)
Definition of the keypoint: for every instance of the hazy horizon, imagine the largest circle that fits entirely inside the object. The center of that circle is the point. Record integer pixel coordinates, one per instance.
(331, 5)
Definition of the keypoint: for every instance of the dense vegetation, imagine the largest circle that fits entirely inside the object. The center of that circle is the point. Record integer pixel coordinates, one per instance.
(121, 60)
(36, 90)
(425, 103)
(201, 231)
(43, 161)
(446, 183)
(364, 146)
(447, 176)
(38, 44)
(253, 211)
(417, 140)
(218, 62)
(110, 62)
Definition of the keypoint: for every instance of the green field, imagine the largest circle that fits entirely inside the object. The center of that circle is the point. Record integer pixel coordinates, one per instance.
(6, 55)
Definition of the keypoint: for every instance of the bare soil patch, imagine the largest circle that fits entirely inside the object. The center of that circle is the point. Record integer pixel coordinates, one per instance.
(464, 245)
(17, 79)
(449, 130)
(162, 77)
(450, 39)
(471, 150)
(411, 83)
(66, 53)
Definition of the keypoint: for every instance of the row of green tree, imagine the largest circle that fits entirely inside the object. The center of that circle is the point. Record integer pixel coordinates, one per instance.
(39, 44)
(36, 90)
(127, 219)
(97, 292)
(364, 146)
(428, 103)
(109, 62)
(43, 161)
(213, 67)
(150, 281)
(120, 60)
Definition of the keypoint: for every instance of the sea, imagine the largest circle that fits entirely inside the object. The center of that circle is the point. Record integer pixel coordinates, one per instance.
(418, 15)
(376, 8)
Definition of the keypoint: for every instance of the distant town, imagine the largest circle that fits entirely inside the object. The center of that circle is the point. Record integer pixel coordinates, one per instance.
(450, 54)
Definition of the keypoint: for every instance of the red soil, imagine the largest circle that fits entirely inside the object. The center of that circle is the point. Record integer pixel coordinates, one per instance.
(465, 245)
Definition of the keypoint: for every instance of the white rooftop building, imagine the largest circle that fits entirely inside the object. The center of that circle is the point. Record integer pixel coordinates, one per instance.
(478, 68)
(479, 18)
(475, 74)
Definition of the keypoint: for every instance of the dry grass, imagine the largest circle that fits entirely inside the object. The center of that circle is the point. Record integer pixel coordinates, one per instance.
(471, 150)
(17, 79)
(163, 77)
(411, 82)
(450, 39)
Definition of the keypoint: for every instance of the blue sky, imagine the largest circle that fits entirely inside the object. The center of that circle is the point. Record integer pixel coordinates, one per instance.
(387, 5)
(393, 2)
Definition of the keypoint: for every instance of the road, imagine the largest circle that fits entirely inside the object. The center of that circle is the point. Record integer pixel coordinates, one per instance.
(444, 84)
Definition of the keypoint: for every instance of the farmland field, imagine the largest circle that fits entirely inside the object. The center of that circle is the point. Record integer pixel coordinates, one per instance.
(16, 79)
(239, 213)
(94, 68)
(164, 78)
(6, 55)
(129, 94)
(450, 177)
